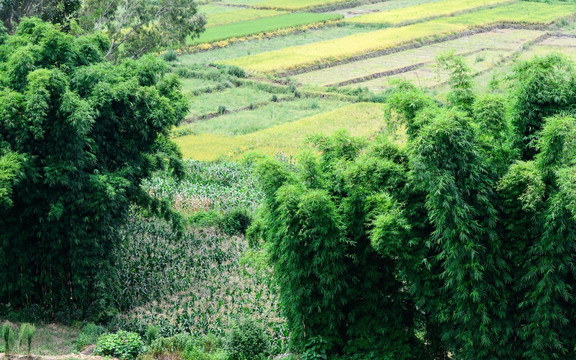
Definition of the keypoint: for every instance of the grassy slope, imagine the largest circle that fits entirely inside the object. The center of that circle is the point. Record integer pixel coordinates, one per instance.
(362, 119)
(296, 4)
(233, 15)
(231, 99)
(346, 47)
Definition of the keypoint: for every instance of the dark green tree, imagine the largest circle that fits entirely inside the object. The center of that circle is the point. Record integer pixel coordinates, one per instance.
(461, 227)
(56, 11)
(77, 136)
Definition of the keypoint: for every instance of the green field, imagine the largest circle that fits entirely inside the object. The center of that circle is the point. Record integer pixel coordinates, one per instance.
(380, 6)
(257, 26)
(425, 11)
(222, 15)
(262, 118)
(300, 57)
(363, 119)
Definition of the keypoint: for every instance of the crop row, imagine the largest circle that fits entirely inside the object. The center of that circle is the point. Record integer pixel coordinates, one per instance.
(326, 53)
(222, 15)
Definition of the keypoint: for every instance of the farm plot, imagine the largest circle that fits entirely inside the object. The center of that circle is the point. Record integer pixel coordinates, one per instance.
(327, 52)
(257, 26)
(362, 119)
(227, 100)
(257, 46)
(406, 60)
(562, 45)
(264, 117)
(430, 75)
(194, 85)
(422, 12)
(222, 15)
(380, 6)
(296, 4)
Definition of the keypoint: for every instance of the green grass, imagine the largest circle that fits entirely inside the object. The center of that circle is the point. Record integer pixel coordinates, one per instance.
(299, 57)
(222, 15)
(252, 47)
(49, 339)
(424, 11)
(508, 39)
(193, 84)
(267, 116)
(267, 24)
(362, 119)
(231, 99)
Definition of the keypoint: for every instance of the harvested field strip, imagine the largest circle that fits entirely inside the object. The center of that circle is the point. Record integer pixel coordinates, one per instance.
(267, 24)
(264, 117)
(429, 76)
(328, 53)
(235, 15)
(362, 119)
(380, 6)
(295, 4)
(385, 65)
(425, 11)
(257, 46)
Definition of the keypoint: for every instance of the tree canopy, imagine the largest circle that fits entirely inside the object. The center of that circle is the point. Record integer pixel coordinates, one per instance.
(459, 238)
(77, 136)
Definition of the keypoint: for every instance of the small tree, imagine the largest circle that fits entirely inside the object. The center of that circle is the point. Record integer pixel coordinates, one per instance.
(25, 337)
(8, 337)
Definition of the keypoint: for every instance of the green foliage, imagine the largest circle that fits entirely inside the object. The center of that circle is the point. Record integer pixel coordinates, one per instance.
(88, 336)
(170, 345)
(78, 136)
(25, 337)
(236, 221)
(247, 340)
(153, 25)
(7, 337)
(55, 11)
(152, 333)
(545, 86)
(444, 247)
(123, 345)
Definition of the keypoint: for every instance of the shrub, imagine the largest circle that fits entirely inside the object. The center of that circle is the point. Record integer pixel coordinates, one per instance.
(174, 344)
(236, 221)
(152, 333)
(236, 71)
(89, 335)
(123, 345)
(221, 109)
(247, 341)
(274, 98)
(8, 337)
(170, 55)
(26, 334)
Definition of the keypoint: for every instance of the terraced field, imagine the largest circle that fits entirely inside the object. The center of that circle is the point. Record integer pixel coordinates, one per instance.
(283, 70)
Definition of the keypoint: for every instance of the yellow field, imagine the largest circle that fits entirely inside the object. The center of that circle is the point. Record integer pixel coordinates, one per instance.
(323, 52)
(424, 11)
(362, 119)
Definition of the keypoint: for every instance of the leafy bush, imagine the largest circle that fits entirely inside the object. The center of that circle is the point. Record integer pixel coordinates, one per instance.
(222, 109)
(247, 341)
(174, 344)
(236, 221)
(170, 55)
(89, 335)
(123, 345)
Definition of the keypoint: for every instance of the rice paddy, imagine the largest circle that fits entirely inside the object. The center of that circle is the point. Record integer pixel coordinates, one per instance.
(303, 79)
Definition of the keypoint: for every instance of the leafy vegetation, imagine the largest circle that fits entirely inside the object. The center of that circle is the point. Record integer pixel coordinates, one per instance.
(78, 136)
(456, 231)
(122, 345)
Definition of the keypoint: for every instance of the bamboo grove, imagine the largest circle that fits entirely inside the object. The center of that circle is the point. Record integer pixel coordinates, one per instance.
(452, 235)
